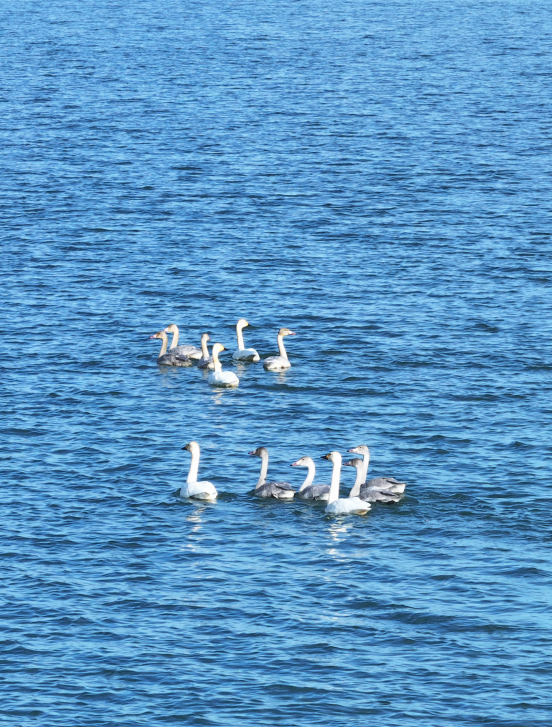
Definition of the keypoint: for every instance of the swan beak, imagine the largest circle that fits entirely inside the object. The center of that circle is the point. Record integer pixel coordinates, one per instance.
(292, 333)
(325, 457)
(252, 452)
(186, 447)
(293, 465)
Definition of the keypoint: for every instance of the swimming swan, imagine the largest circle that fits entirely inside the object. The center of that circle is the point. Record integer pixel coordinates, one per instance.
(390, 484)
(170, 358)
(206, 361)
(219, 378)
(194, 488)
(273, 489)
(307, 490)
(281, 362)
(241, 353)
(370, 494)
(186, 349)
(342, 506)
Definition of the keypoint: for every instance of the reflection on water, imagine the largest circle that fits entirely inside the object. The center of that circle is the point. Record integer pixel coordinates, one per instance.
(196, 524)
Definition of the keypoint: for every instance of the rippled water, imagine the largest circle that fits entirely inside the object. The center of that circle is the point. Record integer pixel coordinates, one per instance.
(374, 175)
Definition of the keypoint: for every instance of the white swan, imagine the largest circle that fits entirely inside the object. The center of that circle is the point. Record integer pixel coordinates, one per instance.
(281, 362)
(206, 361)
(342, 506)
(219, 378)
(186, 349)
(308, 490)
(194, 488)
(369, 493)
(241, 353)
(170, 358)
(273, 489)
(389, 484)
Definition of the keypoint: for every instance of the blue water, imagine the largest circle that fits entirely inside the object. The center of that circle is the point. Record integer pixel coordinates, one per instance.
(374, 175)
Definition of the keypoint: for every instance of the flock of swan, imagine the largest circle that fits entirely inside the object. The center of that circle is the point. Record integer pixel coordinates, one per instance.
(363, 492)
(185, 355)
(359, 500)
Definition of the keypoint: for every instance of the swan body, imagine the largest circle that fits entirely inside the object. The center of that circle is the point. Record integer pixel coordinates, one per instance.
(218, 377)
(170, 358)
(206, 361)
(184, 349)
(281, 362)
(194, 488)
(342, 506)
(391, 484)
(370, 493)
(241, 353)
(272, 489)
(308, 490)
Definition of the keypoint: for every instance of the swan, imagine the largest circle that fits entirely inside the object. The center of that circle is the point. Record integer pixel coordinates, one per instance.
(307, 490)
(342, 506)
(170, 358)
(218, 377)
(194, 488)
(281, 362)
(206, 361)
(241, 353)
(369, 493)
(186, 349)
(390, 484)
(273, 489)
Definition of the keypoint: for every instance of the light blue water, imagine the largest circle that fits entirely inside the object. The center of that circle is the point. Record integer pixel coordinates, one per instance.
(374, 175)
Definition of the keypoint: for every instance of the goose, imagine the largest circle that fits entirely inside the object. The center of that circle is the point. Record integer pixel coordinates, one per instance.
(307, 490)
(206, 361)
(368, 493)
(281, 362)
(390, 484)
(273, 489)
(342, 506)
(194, 488)
(170, 358)
(186, 349)
(241, 353)
(219, 378)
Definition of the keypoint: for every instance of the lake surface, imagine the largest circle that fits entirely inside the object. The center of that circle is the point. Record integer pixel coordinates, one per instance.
(374, 175)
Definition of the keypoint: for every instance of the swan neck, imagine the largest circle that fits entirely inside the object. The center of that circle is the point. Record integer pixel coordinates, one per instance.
(281, 347)
(334, 485)
(164, 342)
(175, 335)
(310, 476)
(216, 363)
(360, 479)
(204, 349)
(264, 469)
(239, 334)
(364, 470)
(194, 465)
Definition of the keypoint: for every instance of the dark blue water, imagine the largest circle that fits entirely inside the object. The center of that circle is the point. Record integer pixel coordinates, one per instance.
(374, 175)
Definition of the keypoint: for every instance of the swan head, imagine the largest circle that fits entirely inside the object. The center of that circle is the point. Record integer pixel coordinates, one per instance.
(217, 348)
(260, 452)
(242, 323)
(354, 462)
(158, 335)
(192, 447)
(205, 337)
(171, 329)
(286, 332)
(360, 450)
(333, 456)
(303, 462)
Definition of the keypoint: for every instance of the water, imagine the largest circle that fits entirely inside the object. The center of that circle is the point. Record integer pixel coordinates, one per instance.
(374, 175)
